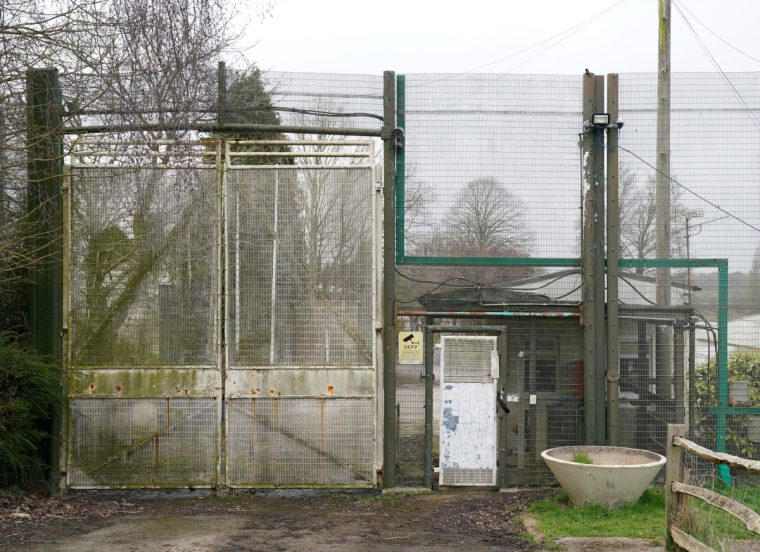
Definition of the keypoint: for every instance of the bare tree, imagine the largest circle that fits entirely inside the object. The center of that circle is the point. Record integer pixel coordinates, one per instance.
(487, 220)
(637, 217)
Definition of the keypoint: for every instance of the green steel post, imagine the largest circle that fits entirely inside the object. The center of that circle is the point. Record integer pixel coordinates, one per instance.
(724, 471)
(45, 178)
(389, 281)
(429, 350)
(400, 168)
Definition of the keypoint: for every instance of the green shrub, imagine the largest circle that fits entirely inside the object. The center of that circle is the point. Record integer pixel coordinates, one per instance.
(29, 394)
(741, 366)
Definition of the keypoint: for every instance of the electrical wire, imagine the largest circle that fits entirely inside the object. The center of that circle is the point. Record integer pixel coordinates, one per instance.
(692, 192)
(715, 63)
(561, 35)
(716, 35)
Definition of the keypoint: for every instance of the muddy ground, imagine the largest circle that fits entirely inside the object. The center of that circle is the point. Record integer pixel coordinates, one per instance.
(272, 522)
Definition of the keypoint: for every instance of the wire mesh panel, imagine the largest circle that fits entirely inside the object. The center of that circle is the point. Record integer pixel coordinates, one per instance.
(491, 165)
(143, 266)
(331, 99)
(142, 442)
(300, 256)
(709, 208)
(544, 393)
(300, 267)
(300, 442)
(410, 398)
(143, 373)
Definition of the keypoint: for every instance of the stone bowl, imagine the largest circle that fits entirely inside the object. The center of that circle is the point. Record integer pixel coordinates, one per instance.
(616, 476)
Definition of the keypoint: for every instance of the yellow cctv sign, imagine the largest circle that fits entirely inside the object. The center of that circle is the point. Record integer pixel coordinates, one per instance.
(410, 349)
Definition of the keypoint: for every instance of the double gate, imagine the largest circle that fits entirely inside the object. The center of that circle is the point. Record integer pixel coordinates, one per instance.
(220, 314)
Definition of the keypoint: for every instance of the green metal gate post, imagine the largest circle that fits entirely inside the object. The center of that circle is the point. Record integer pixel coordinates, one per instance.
(44, 142)
(389, 280)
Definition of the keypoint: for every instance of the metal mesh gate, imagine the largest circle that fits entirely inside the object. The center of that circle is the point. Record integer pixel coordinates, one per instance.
(161, 240)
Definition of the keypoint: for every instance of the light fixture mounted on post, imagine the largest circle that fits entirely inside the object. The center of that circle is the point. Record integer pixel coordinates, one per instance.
(600, 121)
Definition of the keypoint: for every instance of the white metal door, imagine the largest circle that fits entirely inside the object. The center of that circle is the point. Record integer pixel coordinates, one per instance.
(469, 370)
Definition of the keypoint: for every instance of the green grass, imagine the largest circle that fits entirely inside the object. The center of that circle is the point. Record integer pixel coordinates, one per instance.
(645, 519)
(557, 517)
(711, 525)
(582, 458)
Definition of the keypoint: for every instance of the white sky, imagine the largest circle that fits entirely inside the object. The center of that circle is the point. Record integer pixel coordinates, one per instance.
(447, 36)
(716, 158)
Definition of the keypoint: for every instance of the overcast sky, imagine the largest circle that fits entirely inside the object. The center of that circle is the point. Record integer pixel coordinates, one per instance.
(355, 36)
(715, 153)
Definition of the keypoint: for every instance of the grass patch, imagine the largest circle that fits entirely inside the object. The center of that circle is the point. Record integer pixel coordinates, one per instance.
(645, 519)
(712, 525)
(582, 458)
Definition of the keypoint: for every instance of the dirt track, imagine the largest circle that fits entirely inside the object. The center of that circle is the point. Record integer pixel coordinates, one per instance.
(275, 522)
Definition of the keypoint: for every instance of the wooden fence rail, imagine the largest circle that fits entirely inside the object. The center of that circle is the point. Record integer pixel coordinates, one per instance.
(676, 489)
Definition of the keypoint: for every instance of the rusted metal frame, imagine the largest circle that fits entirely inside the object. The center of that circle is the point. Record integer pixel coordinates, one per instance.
(222, 129)
(752, 466)
(429, 346)
(485, 314)
(687, 542)
(748, 516)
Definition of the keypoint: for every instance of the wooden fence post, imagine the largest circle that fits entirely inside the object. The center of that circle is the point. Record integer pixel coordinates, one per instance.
(673, 472)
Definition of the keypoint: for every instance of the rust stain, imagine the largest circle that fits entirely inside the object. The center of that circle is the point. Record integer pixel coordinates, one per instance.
(117, 388)
(271, 392)
(322, 423)
(91, 388)
(330, 389)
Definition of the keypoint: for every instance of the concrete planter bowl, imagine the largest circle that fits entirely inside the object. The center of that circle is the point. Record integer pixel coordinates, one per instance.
(616, 476)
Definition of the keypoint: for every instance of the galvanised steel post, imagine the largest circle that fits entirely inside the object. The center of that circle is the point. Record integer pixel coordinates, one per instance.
(389, 280)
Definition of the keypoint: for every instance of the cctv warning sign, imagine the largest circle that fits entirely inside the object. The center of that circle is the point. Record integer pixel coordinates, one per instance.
(410, 349)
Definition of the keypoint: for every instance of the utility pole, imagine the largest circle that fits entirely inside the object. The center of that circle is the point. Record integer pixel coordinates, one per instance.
(662, 197)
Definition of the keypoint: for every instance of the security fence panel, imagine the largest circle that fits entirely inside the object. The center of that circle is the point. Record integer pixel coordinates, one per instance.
(142, 302)
(689, 334)
(490, 165)
(301, 306)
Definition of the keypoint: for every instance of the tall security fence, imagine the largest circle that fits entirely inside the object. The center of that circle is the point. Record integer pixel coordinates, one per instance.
(237, 286)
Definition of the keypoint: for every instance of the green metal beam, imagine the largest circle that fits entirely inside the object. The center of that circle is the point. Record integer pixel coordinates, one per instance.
(735, 410)
(490, 261)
